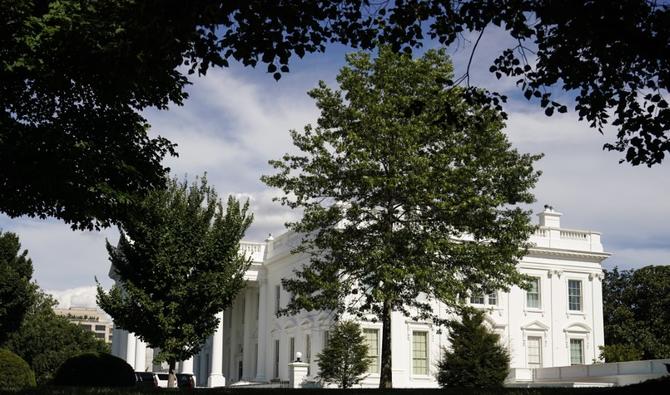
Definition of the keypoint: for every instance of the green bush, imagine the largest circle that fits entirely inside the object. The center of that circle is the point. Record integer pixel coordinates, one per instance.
(95, 370)
(476, 359)
(14, 371)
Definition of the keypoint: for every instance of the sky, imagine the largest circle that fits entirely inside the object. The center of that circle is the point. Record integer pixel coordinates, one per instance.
(237, 119)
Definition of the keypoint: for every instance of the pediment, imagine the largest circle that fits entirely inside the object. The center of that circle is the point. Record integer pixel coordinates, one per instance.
(578, 328)
(535, 326)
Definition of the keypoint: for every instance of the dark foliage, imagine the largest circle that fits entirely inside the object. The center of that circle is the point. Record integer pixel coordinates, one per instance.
(16, 291)
(636, 310)
(15, 373)
(75, 75)
(476, 357)
(45, 340)
(95, 370)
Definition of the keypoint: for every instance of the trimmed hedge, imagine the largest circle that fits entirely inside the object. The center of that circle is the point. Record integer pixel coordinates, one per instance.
(95, 370)
(15, 373)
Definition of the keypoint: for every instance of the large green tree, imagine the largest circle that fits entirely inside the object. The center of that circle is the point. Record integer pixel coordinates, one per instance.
(408, 189)
(46, 340)
(636, 312)
(75, 74)
(179, 263)
(344, 360)
(475, 357)
(16, 291)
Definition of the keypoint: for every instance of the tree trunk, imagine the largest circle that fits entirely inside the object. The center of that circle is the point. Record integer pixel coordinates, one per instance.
(172, 378)
(386, 376)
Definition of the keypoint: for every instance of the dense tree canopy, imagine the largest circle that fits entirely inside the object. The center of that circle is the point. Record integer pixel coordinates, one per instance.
(408, 190)
(74, 75)
(636, 310)
(178, 264)
(16, 291)
(45, 340)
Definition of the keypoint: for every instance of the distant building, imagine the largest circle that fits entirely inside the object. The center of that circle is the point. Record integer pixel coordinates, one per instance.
(90, 319)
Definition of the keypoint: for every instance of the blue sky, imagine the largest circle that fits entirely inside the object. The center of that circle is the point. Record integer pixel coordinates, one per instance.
(238, 118)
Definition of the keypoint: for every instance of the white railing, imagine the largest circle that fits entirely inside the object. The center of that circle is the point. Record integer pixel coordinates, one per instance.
(574, 234)
(571, 239)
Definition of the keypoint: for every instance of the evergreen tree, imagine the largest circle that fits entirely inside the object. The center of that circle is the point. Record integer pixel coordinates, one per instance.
(476, 357)
(345, 359)
(179, 264)
(409, 194)
(16, 291)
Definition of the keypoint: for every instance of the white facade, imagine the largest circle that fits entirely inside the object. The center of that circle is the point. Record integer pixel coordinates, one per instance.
(558, 323)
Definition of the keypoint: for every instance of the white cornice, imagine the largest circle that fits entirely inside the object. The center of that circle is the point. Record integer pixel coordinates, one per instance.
(568, 254)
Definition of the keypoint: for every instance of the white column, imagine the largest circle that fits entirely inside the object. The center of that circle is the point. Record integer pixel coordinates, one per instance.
(262, 327)
(187, 366)
(116, 338)
(249, 323)
(130, 349)
(140, 356)
(216, 378)
(234, 349)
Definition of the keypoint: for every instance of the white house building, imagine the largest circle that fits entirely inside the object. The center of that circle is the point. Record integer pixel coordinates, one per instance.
(559, 322)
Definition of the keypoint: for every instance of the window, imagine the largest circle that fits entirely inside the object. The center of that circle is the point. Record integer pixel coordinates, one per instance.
(100, 328)
(291, 349)
(372, 340)
(277, 296)
(477, 299)
(533, 294)
(576, 351)
(575, 295)
(493, 298)
(326, 338)
(534, 346)
(308, 353)
(99, 335)
(276, 367)
(420, 353)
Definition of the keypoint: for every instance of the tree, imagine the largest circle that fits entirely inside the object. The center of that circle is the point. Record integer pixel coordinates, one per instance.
(178, 264)
(16, 290)
(476, 357)
(408, 190)
(46, 340)
(76, 74)
(345, 359)
(620, 353)
(636, 311)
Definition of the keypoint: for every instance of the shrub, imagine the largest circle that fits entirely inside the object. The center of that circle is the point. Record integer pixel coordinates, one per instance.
(95, 370)
(345, 358)
(476, 358)
(15, 373)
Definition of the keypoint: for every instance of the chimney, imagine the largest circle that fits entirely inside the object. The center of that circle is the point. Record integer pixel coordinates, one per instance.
(269, 244)
(550, 218)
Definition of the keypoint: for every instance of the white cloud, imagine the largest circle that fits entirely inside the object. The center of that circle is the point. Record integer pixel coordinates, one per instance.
(63, 258)
(75, 297)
